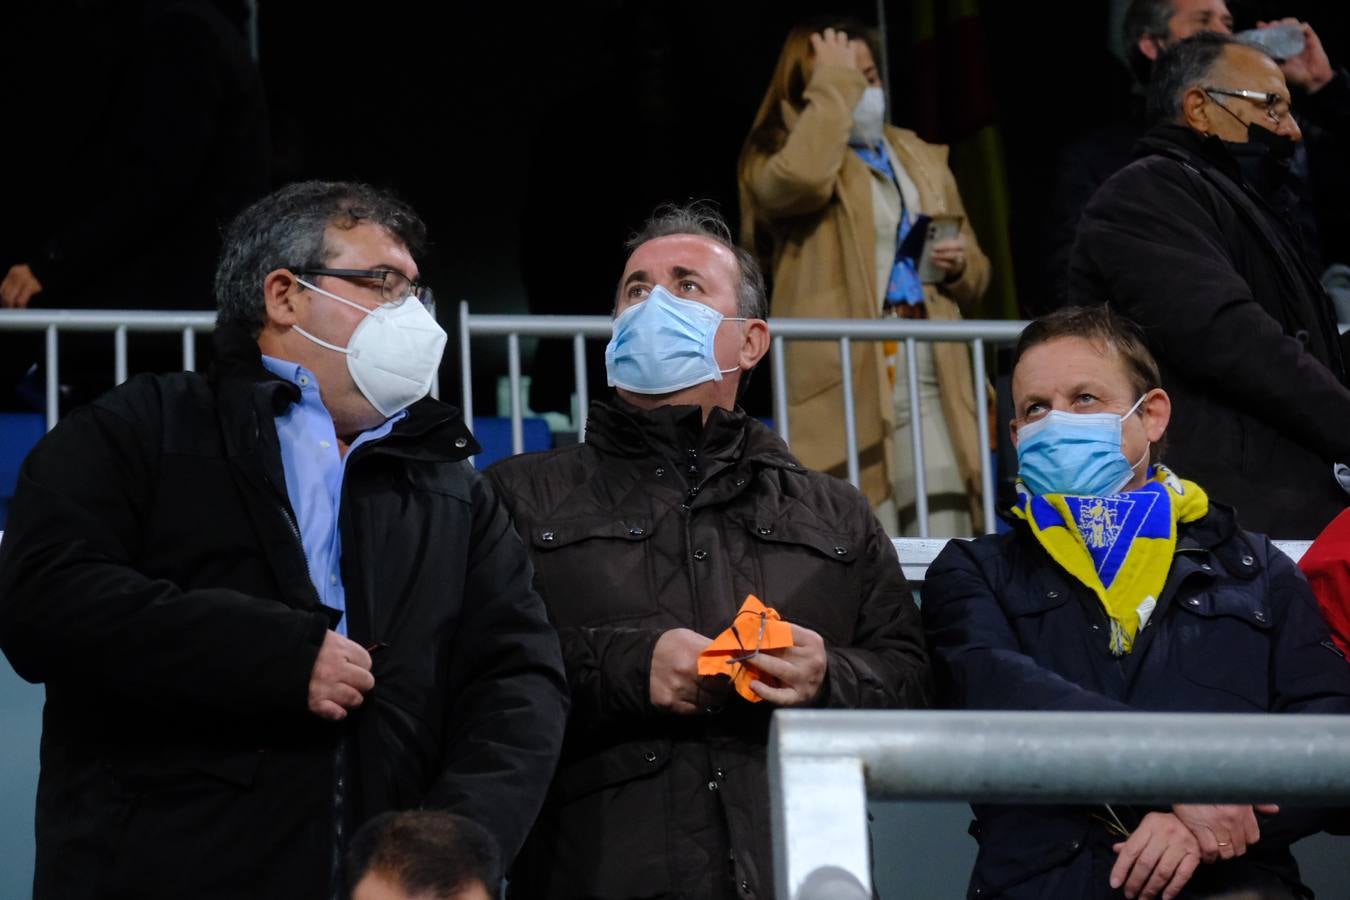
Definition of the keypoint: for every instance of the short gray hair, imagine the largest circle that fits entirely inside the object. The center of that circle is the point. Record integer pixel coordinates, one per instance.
(1181, 67)
(287, 228)
(701, 220)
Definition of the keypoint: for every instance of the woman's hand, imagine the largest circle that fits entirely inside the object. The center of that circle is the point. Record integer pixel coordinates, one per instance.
(832, 48)
(950, 256)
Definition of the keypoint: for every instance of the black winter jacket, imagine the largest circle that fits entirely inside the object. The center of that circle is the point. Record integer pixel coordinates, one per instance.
(658, 522)
(1235, 629)
(152, 578)
(1244, 334)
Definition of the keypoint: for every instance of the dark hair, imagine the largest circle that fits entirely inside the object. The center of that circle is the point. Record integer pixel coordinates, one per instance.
(1109, 330)
(1146, 17)
(287, 228)
(1101, 326)
(425, 852)
(702, 220)
(1180, 67)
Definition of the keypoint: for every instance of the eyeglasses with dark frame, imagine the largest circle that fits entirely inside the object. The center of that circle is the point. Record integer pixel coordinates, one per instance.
(395, 287)
(1269, 99)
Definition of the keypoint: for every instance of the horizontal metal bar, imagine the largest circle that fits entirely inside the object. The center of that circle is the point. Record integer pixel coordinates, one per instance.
(1047, 757)
(998, 331)
(105, 319)
(541, 326)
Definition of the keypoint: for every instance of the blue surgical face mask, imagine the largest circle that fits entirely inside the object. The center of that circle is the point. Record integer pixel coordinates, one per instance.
(1075, 453)
(664, 344)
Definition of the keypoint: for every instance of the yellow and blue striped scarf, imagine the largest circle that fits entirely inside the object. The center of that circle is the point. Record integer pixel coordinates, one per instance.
(1120, 546)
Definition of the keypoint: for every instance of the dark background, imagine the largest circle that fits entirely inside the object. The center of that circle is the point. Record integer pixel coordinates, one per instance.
(534, 138)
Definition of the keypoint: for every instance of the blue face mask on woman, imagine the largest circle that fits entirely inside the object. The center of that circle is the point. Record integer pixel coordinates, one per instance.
(664, 344)
(1075, 453)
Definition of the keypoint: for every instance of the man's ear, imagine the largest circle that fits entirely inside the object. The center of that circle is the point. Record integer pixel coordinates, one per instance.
(1150, 46)
(280, 288)
(1157, 412)
(1195, 110)
(755, 345)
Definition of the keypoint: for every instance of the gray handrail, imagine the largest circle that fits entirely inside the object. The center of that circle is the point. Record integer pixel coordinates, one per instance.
(117, 321)
(823, 765)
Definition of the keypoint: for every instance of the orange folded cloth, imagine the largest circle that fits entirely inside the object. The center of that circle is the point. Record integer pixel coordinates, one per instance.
(756, 627)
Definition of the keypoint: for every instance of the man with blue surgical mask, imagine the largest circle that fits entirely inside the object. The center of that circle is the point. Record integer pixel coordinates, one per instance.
(1122, 585)
(646, 540)
(275, 601)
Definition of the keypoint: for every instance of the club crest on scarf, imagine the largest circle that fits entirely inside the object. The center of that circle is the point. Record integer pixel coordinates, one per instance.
(1119, 545)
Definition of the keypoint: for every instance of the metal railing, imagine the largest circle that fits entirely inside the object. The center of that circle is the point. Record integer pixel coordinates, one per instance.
(823, 765)
(119, 322)
(975, 333)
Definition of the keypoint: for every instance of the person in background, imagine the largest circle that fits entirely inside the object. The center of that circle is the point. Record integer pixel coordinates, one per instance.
(1321, 94)
(1194, 242)
(145, 131)
(829, 195)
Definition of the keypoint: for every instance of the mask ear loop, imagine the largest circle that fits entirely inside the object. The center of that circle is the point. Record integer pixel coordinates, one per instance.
(320, 341)
(731, 319)
(1148, 446)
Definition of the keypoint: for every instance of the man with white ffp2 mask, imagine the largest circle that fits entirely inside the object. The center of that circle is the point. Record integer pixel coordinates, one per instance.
(646, 540)
(285, 578)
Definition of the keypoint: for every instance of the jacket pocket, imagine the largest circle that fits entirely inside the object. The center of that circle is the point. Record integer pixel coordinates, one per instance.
(179, 769)
(595, 570)
(1224, 647)
(612, 816)
(610, 767)
(809, 575)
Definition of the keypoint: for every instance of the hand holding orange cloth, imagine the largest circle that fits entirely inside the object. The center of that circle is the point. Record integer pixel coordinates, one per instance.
(756, 628)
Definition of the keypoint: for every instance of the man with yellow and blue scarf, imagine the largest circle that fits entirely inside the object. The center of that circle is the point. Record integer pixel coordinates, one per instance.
(1123, 587)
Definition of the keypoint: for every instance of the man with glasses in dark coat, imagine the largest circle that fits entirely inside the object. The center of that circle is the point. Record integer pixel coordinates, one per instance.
(270, 603)
(1195, 242)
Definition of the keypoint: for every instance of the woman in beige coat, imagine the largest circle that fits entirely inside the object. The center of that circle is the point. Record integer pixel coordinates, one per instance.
(823, 194)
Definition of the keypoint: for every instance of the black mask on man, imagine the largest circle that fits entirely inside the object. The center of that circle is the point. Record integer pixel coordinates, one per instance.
(1264, 158)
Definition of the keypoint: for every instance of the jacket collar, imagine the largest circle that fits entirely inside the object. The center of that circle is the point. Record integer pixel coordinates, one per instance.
(1169, 138)
(244, 384)
(617, 428)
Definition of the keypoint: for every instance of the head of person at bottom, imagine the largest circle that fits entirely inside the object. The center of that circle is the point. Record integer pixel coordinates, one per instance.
(423, 855)
(1089, 412)
(323, 274)
(688, 315)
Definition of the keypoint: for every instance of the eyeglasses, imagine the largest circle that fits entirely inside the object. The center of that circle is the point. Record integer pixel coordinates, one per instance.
(1275, 106)
(394, 286)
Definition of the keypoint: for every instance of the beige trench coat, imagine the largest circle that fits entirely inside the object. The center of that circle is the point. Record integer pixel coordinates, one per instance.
(814, 199)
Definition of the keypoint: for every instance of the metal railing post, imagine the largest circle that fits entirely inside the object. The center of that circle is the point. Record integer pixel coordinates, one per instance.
(982, 426)
(780, 395)
(583, 384)
(120, 354)
(916, 436)
(850, 414)
(517, 414)
(465, 370)
(53, 379)
(189, 350)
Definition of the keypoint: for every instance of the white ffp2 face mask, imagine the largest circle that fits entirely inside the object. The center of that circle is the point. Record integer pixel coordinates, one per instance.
(869, 118)
(392, 355)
